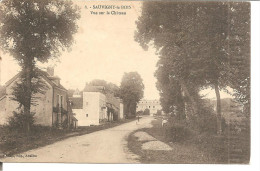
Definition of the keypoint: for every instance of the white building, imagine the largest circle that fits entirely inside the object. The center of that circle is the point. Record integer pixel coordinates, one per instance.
(152, 105)
(94, 107)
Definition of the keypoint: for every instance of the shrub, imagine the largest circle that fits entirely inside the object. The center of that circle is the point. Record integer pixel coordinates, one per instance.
(19, 121)
(178, 133)
(176, 130)
(206, 121)
(140, 112)
(130, 116)
(65, 123)
(159, 112)
(146, 112)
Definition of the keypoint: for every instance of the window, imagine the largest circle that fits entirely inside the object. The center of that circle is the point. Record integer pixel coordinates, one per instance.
(86, 115)
(58, 100)
(149, 106)
(61, 101)
(153, 106)
(86, 103)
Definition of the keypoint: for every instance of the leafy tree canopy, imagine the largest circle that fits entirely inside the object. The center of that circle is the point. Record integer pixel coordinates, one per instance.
(109, 87)
(131, 91)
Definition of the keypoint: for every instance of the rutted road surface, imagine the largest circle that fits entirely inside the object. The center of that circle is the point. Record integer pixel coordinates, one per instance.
(106, 146)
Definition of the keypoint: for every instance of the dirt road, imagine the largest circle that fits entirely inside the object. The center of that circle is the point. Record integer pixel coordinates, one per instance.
(106, 146)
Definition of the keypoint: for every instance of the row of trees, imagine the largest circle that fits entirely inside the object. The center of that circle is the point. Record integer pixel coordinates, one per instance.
(200, 45)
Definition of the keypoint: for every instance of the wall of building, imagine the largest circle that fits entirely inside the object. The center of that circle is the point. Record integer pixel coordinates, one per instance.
(93, 108)
(10, 105)
(43, 109)
(63, 93)
(102, 107)
(81, 117)
(121, 115)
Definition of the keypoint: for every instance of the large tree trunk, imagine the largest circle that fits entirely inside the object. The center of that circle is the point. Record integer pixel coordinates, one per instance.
(181, 109)
(219, 128)
(187, 93)
(28, 68)
(127, 109)
(180, 105)
(133, 109)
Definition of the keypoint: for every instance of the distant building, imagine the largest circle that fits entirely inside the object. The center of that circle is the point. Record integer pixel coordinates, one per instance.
(95, 107)
(51, 108)
(152, 105)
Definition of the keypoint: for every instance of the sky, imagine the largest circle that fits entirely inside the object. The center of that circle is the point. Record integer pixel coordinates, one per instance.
(104, 49)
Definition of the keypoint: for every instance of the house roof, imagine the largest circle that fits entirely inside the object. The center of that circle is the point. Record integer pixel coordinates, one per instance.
(89, 88)
(74, 118)
(2, 91)
(76, 102)
(45, 75)
(51, 79)
(111, 99)
(12, 79)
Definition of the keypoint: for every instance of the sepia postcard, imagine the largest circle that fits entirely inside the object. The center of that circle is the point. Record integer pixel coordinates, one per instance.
(149, 82)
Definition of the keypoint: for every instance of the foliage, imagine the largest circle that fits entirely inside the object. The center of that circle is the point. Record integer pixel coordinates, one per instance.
(239, 65)
(62, 110)
(65, 124)
(38, 87)
(131, 91)
(110, 88)
(19, 121)
(130, 116)
(206, 121)
(197, 43)
(140, 112)
(146, 112)
(36, 30)
(70, 92)
(159, 112)
(177, 133)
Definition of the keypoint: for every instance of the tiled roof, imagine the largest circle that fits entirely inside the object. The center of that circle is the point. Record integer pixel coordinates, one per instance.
(76, 102)
(112, 100)
(12, 79)
(74, 118)
(47, 77)
(89, 88)
(50, 79)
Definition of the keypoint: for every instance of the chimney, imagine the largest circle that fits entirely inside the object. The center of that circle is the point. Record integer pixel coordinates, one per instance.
(56, 80)
(50, 71)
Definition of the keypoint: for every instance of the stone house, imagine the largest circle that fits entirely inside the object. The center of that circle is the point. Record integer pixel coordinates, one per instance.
(52, 105)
